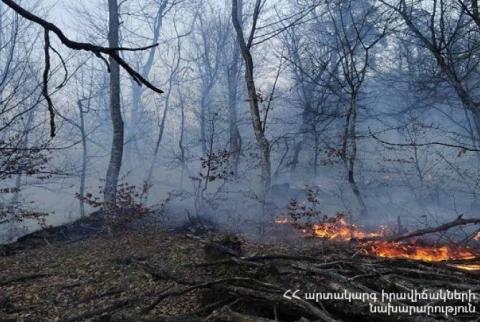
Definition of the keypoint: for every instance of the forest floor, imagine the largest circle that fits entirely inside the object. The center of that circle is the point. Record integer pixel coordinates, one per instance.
(164, 275)
(89, 279)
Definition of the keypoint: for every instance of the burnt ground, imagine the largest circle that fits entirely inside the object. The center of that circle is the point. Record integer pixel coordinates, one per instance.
(176, 276)
(55, 276)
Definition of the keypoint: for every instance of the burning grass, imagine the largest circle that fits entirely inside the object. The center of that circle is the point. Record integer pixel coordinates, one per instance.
(414, 251)
(380, 243)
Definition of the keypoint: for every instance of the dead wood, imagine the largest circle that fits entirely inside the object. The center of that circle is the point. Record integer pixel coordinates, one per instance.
(181, 291)
(299, 307)
(360, 274)
(101, 311)
(249, 260)
(252, 285)
(459, 221)
(21, 278)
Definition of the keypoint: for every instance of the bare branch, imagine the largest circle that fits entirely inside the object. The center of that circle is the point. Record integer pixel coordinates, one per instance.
(95, 49)
(413, 144)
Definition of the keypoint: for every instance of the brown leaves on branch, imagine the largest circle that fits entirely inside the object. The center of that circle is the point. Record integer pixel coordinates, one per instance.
(130, 204)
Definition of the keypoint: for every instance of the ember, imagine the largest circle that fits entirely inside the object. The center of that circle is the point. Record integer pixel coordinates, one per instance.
(282, 221)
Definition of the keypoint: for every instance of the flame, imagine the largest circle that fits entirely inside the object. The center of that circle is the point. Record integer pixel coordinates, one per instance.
(338, 229)
(282, 221)
(468, 267)
(418, 252)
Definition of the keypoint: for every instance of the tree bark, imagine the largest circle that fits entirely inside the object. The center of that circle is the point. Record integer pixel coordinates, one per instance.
(204, 113)
(83, 174)
(116, 153)
(349, 152)
(258, 129)
(235, 138)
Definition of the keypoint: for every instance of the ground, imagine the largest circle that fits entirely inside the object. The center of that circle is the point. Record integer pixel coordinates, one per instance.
(145, 276)
(64, 281)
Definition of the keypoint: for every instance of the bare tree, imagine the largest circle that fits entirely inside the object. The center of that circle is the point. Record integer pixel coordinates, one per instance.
(145, 66)
(245, 45)
(448, 29)
(358, 27)
(210, 41)
(172, 82)
(116, 153)
(233, 71)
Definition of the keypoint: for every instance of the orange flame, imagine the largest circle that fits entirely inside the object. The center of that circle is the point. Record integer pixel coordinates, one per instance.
(338, 229)
(418, 252)
(468, 267)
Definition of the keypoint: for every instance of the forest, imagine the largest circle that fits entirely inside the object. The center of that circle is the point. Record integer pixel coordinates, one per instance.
(240, 160)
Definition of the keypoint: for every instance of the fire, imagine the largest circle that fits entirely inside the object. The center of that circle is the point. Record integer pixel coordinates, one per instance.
(338, 229)
(282, 221)
(418, 252)
(471, 267)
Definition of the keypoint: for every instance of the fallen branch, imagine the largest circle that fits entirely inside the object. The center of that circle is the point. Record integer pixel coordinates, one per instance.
(208, 284)
(460, 221)
(303, 307)
(249, 260)
(22, 278)
(110, 308)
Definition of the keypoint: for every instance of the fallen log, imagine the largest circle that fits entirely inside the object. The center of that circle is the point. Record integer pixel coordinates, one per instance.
(459, 221)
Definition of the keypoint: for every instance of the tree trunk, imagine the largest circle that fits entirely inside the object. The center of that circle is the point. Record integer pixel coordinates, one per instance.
(204, 111)
(137, 90)
(83, 173)
(296, 156)
(350, 152)
(116, 153)
(171, 82)
(235, 138)
(262, 142)
(181, 146)
(305, 128)
(160, 133)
